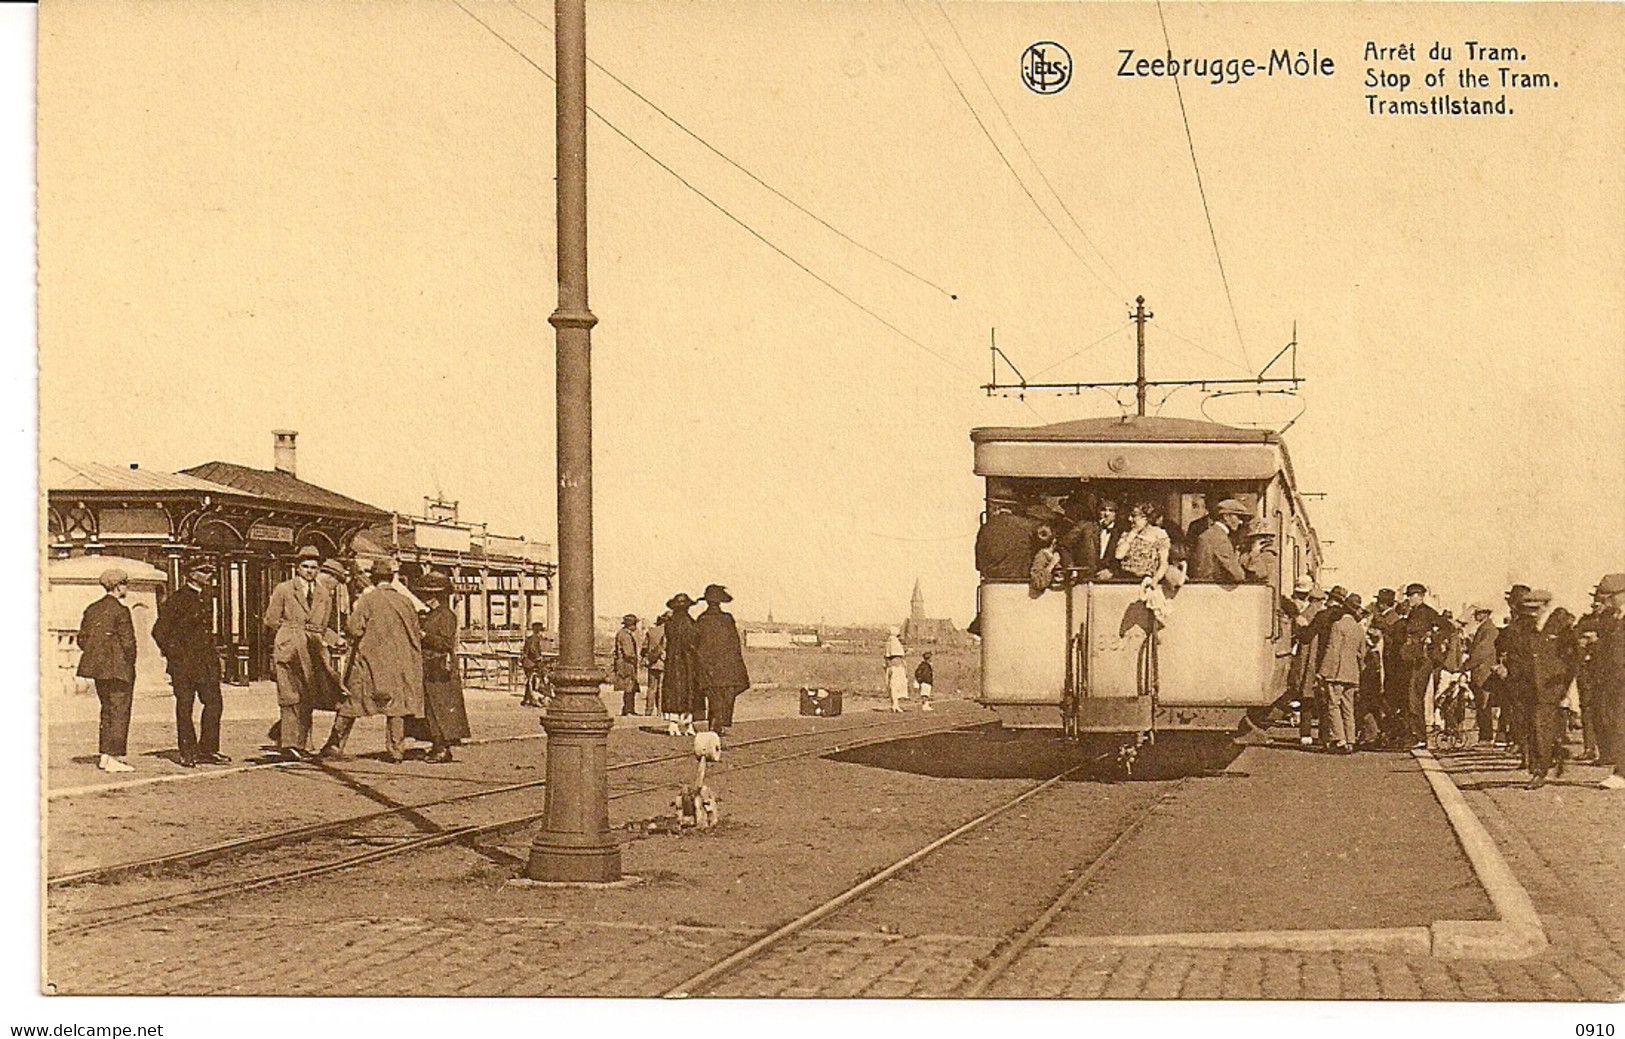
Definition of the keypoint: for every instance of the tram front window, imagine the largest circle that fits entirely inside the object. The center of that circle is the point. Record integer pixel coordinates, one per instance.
(1118, 530)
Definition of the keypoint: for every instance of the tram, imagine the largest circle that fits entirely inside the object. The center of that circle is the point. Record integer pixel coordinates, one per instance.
(1088, 656)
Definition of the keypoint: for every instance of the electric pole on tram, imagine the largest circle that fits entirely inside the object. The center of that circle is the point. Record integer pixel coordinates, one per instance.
(574, 843)
(1260, 383)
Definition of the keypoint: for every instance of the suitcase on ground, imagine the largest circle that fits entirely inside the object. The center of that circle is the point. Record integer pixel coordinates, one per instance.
(821, 703)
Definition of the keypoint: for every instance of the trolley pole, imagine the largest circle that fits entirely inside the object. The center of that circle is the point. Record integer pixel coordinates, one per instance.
(1139, 314)
(574, 844)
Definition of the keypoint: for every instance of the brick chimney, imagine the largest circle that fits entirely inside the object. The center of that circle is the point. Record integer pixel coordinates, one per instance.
(283, 453)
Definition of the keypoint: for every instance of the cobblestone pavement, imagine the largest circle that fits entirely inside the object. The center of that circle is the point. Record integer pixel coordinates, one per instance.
(1563, 843)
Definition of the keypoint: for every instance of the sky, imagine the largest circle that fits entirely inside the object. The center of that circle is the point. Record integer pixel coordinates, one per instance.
(338, 218)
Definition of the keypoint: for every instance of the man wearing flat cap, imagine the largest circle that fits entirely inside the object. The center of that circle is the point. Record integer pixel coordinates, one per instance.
(1481, 657)
(624, 666)
(720, 656)
(107, 657)
(1607, 666)
(184, 632)
(1214, 559)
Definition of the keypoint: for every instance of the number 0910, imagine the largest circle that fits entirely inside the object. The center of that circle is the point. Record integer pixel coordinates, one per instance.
(1592, 1031)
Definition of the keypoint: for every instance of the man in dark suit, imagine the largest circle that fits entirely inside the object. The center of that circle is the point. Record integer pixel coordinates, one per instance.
(107, 657)
(1416, 634)
(1004, 545)
(184, 632)
(1091, 546)
(719, 656)
(1214, 559)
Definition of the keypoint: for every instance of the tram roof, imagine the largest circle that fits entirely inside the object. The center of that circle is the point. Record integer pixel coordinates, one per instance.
(1129, 429)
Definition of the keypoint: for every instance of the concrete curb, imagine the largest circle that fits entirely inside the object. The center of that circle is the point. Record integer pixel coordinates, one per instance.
(1519, 932)
(1407, 941)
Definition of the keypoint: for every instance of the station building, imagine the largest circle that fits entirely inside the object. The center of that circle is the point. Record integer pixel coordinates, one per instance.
(251, 523)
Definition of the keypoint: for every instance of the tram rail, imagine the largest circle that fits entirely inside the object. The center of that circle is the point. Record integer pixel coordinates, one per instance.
(107, 916)
(264, 841)
(1010, 948)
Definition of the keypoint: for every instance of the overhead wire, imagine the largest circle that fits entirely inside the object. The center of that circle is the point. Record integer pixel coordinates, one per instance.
(922, 279)
(1201, 190)
(1083, 350)
(1024, 149)
(718, 206)
(931, 44)
(1231, 361)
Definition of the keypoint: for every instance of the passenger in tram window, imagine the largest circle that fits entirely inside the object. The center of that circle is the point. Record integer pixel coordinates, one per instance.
(1091, 545)
(1004, 545)
(1142, 552)
(1046, 561)
(1213, 557)
(1261, 563)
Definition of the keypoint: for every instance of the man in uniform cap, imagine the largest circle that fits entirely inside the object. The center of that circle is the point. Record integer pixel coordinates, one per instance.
(1607, 666)
(1416, 634)
(1214, 559)
(184, 632)
(107, 657)
(624, 668)
(1517, 647)
(719, 656)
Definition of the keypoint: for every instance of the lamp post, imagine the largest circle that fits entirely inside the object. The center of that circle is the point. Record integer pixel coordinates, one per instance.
(574, 844)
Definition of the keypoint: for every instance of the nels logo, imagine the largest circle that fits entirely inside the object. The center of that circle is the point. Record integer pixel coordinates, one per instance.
(1046, 67)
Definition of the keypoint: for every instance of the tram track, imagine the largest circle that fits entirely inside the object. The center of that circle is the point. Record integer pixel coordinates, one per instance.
(106, 916)
(1005, 952)
(193, 857)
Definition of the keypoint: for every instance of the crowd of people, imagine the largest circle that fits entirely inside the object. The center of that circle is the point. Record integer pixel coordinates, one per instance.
(1397, 671)
(357, 647)
(690, 669)
(1040, 540)
(1049, 540)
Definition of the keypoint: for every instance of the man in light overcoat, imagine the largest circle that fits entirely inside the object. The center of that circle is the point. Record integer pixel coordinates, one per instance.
(301, 610)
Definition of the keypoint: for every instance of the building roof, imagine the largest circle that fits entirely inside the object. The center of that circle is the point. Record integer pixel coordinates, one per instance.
(1130, 428)
(63, 475)
(279, 486)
